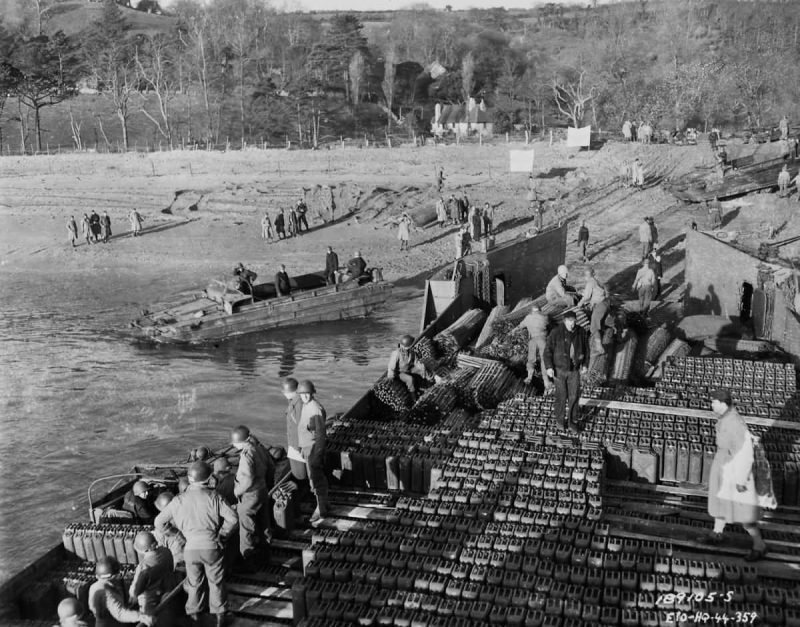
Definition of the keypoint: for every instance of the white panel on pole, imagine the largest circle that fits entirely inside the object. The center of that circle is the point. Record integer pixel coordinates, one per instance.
(579, 136)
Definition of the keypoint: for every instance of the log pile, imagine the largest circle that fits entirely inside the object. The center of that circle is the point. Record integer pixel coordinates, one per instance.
(461, 379)
(509, 344)
(436, 403)
(487, 332)
(425, 351)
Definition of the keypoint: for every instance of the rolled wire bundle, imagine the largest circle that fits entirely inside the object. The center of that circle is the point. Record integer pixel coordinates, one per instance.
(460, 380)
(446, 345)
(393, 395)
(677, 348)
(461, 332)
(624, 351)
(490, 385)
(650, 346)
(487, 331)
(509, 344)
(425, 351)
(436, 403)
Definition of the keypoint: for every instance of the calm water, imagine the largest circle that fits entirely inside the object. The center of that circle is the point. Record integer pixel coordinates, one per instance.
(79, 400)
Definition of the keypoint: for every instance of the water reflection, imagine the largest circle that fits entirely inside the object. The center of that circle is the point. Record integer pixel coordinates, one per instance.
(288, 358)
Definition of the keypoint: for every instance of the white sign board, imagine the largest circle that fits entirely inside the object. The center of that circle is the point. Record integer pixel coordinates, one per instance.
(579, 136)
(521, 160)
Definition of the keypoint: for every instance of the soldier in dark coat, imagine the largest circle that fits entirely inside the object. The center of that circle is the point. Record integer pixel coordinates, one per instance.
(331, 266)
(280, 225)
(282, 284)
(94, 222)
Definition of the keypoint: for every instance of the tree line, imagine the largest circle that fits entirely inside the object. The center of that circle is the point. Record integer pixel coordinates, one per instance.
(245, 70)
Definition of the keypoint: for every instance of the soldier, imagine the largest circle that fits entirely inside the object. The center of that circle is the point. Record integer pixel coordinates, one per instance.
(293, 409)
(558, 291)
(645, 238)
(783, 125)
(225, 481)
(583, 239)
(439, 179)
(715, 211)
(107, 598)
(311, 439)
(135, 218)
(250, 490)
(153, 578)
(356, 267)
(783, 179)
(488, 219)
(70, 612)
(280, 225)
(266, 228)
(72, 230)
(206, 521)
(331, 266)
(536, 324)
(645, 285)
(441, 213)
(403, 365)
(139, 502)
(105, 227)
(283, 286)
(302, 210)
(171, 538)
(86, 228)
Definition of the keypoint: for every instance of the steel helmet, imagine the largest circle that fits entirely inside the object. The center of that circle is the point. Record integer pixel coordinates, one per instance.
(306, 387)
(240, 434)
(164, 499)
(202, 453)
(199, 472)
(222, 465)
(70, 608)
(562, 271)
(106, 567)
(140, 487)
(144, 541)
(406, 341)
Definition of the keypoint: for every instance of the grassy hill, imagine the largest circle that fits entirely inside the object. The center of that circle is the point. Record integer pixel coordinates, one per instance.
(73, 17)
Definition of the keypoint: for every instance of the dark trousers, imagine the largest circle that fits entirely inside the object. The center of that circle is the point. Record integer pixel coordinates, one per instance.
(330, 277)
(568, 389)
(582, 247)
(301, 221)
(315, 463)
(253, 511)
(205, 581)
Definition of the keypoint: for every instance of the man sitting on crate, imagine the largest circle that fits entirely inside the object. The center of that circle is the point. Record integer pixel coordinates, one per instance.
(566, 356)
(403, 365)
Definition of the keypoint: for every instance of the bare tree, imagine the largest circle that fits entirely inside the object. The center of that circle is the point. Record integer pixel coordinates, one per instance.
(467, 75)
(572, 95)
(155, 64)
(356, 72)
(388, 84)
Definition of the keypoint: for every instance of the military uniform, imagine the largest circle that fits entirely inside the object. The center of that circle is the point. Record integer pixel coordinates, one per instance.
(204, 519)
(293, 410)
(250, 489)
(153, 578)
(403, 365)
(311, 437)
(107, 603)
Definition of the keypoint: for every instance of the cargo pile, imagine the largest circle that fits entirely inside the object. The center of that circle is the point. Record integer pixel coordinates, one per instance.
(459, 334)
(393, 397)
(92, 542)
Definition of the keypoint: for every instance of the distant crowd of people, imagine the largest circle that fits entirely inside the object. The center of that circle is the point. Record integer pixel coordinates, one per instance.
(95, 228)
(288, 223)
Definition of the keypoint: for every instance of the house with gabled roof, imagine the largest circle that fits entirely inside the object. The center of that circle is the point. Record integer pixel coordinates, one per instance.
(463, 119)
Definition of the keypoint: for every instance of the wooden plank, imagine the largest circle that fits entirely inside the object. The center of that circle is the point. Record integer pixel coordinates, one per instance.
(243, 621)
(684, 411)
(256, 606)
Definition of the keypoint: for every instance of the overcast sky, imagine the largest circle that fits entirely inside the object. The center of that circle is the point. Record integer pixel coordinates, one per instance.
(383, 5)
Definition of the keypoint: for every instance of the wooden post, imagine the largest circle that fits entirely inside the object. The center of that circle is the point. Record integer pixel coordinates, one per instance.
(480, 139)
(506, 137)
(153, 166)
(551, 136)
(526, 137)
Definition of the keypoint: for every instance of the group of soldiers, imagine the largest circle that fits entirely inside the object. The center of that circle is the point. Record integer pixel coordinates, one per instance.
(96, 228)
(198, 526)
(632, 174)
(288, 223)
(633, 131)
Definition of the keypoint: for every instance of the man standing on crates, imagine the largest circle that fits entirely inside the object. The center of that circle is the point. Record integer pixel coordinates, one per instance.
(311, 436)
(293, 409)
(566, 357)
(536, 324)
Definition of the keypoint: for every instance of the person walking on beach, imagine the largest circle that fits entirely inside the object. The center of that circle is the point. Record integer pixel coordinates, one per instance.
(783, 179)
(292, 222)
(441, 213)
(439, 179)
(72, 230)
(302, 210)
(403, 229)
(86, 228)
(280, 225)
(136, 222)
(331, 266)
(645, 238)
(583, 240)
(105, 227)
(94, 223)
(266, 227)
(475, 222)
(732, 496)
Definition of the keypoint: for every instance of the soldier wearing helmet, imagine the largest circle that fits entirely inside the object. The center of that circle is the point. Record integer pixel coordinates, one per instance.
(293, 409)
(356, 267)
(171, 538)
(139, 502)
(224, 480)
(70, 612)
(251, 492)
(154, 575)
(403, 365)
(206, 521)
(558, 291)
(107, 598)
(311, 436)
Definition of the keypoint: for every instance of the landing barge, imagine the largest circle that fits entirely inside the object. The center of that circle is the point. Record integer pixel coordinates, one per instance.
(473, 508)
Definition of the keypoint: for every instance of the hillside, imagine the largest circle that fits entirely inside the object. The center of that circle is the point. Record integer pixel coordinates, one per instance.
(74, 17)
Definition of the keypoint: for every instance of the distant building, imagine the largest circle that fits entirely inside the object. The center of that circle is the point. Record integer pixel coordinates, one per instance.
(462, 119)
